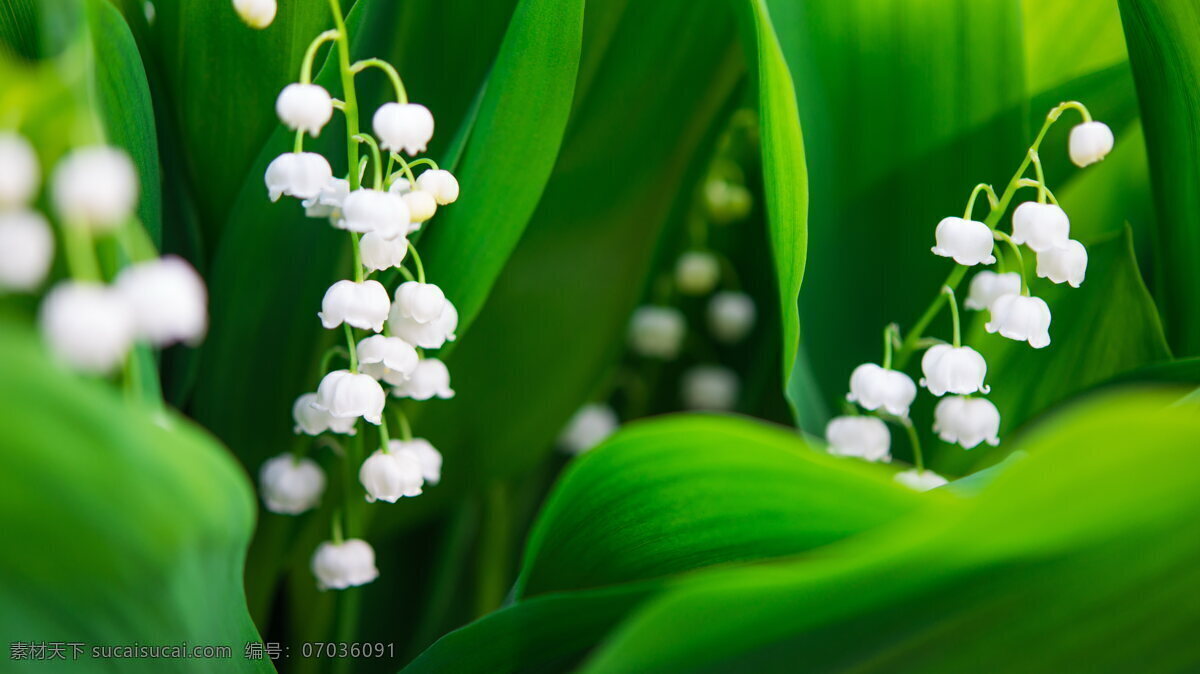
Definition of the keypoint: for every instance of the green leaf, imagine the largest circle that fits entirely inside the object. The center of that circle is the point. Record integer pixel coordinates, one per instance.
(1023, 577)
(122, 527)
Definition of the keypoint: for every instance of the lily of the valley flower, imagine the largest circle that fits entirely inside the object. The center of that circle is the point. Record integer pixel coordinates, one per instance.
(26, 249)
(19, 171)
(1064, 264)
(920, 480)
(312, 420)
(1089, 143)
(421, 207)
(421, 302)
(168, 299)
(350, 563)
(368, 210)
(862, 437)
(710, 387)
(329, 200)
(362, 305)
(986, 286)
(389, 359)
(304, 107)
(441, 184)
(1025, 319)
(291, 485)
(1040, 226)
(298, 174)
(969, 242)
(656, 332)
(403, 127)
(422, 316)
(256, 13)
(429, 379)
(967, 421)
(873, 387)
(390, 476)
(96, 188)
(697, 272)
(588, 427)
(731, 315)
(950, 369)
(428, 456)
(345, 394)
(379, 253)
(88, 325)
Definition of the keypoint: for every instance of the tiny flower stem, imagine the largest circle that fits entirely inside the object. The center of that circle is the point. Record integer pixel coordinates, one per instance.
(357, 252)
(889, 338)
(336, 521)
(423, 160)
(310, 54)
(1041, 177)
(351, 107)
(406, 274)
(417, 261)
(954, 315)
(298, 145)
(366, 138)
(981, 187)
(1062, 107)
(384, 438)
(329, 355)
(351, 348)
(81, 253)
(918, 456)
(338, 104)
(407, 168)
(405, 429)
(1001, 236)
(397, 83)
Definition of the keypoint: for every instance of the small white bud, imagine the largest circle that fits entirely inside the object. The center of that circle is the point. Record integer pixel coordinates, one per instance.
(389, 476)
(873, 387)
(697, 272)
(710, 387)
(298, 174)
(344, 394)
(168, 298)
(988, 285)
(379, 253)
(421, 207)
(338, 566)
(304, 107)
(401, 186)
(1040, 226)
(1089, 143)
(441, 184)
(967, 421)
(429, 379)
(1025, 319)
(389, 359)
(1064, 264)
(588, 427)
(20, 172)
(403, 127)
(95, 187)
(363, 305)
(328, 202)
(951, 369)
(731, 315)
(920, 480)
(312, 420)
(862, 437)
(427, 455)
(89, 325)
(969, 242)
(26, 249)
(291, 485)
(376, 211)
(257, 14)
(422, 302)
(656, 332)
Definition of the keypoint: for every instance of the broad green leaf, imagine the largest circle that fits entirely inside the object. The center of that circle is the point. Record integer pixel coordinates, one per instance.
(121, 527)
(1066, 39)
(1059, 564)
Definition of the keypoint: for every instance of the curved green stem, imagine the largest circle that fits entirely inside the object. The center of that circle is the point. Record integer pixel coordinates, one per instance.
(1001, 236)
(947, 290)
(310, 54)
(981, 187)
(918, 456)
(329, 355)
(356, 250)
(351, 348)
(405, 428)
(1041, 177)
(385, 439)
(397, 83)
(407, 168)
(351, 107)
(81, 253)
(417, 261)
(889, 338)
(370, 140)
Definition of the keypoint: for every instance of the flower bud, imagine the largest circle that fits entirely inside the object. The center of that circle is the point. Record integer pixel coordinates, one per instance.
(1089, 143)
(710, 387)
(441, 184)
(89, 325)
(1040, 226)
(26, 250)
(19, 171)
(1025, 319)
(967, 421)
(873, 387)
(862, 437)
(426, 454)
(328, 202)
(368, 210)
(589, 426)
(920, 480)
(363, 305)
(312, 420)
(338, 566)
(656, 332)
(298, 174)
(429, 379)
(422, 302)
(986, 286)
(168, 298)
(257, 14)
(390, 359)
(290, 484)
(344, 394)
(379, 253)
(304, 107)
(95, 187)
(431, 335)
(421, 207)
(697, 272)
(1064, 264)
(389, 476)
(731, 315)
(969, 242)
(403, 127)
(951, 369)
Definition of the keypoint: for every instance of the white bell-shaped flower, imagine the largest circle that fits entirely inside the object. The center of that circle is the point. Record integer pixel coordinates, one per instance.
(1064, 264)
(379, 253)
(422, 302)
(304, 107)
(390, 476)
(421, 207)
(257, 14)
(969, 242)
(1040, 226)
(951, 369)
(920, 480)
(441, 184)
(26, 249)
(338, 566)
(345, 394)
(709, 387)
(862, 437)
(291, 484)
(389, 359)
(88, 325)
(298, 174)
(95, 187)
(656, 332)
(368, 210)
(402, 186)
(168, 298)
(429, 457)
(362, 305)
(967, 421)
(588, 427)
(328, 202)
(1025, 319)
(403, 127)
(431, 335)
(20, 172)
(1089, 143)
(986, 286)
(731, 315)
(429, 379)
(873, 387)
(313, 420)
(697, 272)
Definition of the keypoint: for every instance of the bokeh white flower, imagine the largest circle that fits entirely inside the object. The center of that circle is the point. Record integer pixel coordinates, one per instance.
(859, 436)
(291, 485)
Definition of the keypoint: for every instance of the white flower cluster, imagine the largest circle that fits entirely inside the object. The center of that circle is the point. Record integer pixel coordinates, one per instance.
(89, 323)
(954, 372)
